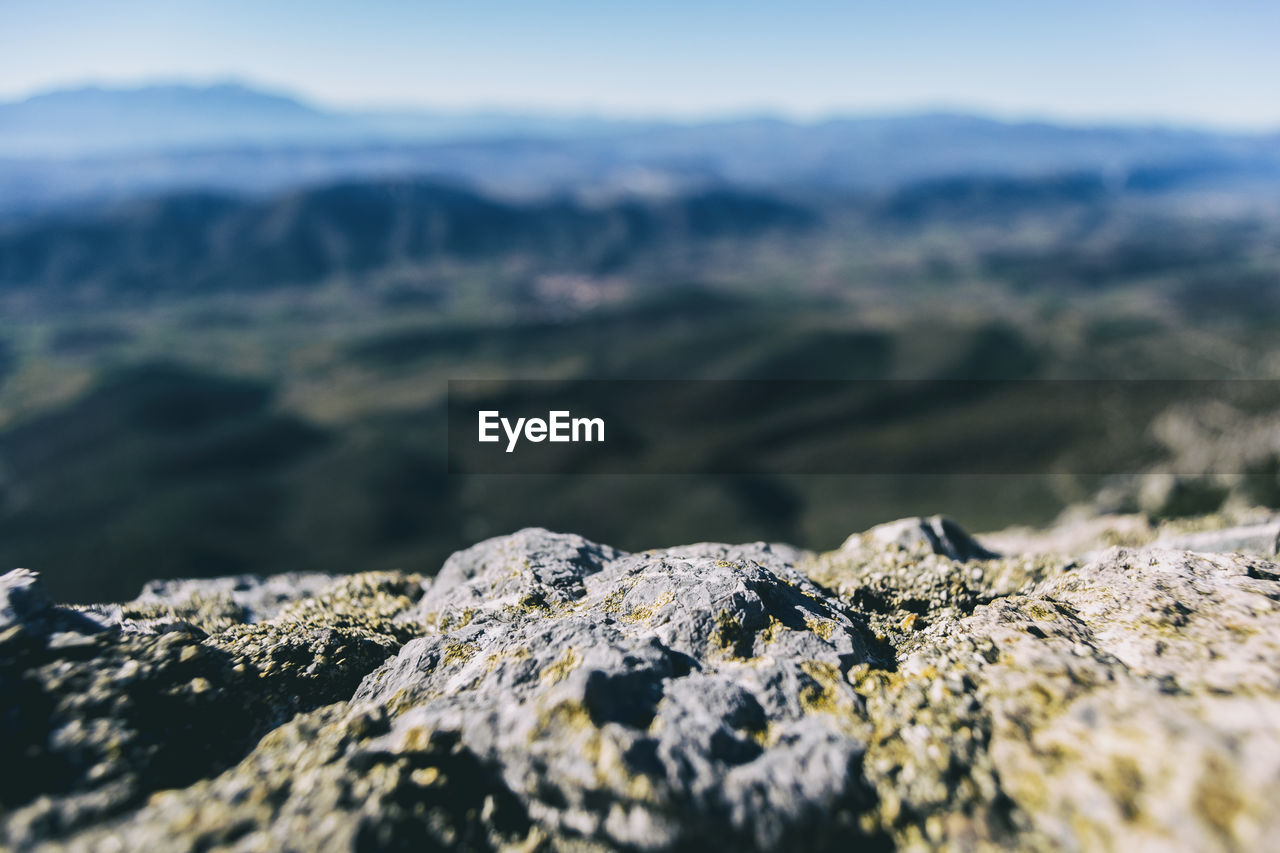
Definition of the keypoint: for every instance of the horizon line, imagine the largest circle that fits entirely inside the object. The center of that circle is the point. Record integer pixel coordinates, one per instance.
(710, 115)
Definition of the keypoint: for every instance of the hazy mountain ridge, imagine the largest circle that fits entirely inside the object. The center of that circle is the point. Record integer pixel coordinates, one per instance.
(198, 243)
(192, 243)
(94, 118)
(94, 143)
(97, 119)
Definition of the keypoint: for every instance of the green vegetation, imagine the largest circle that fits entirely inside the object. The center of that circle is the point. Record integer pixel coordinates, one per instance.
(205, 386)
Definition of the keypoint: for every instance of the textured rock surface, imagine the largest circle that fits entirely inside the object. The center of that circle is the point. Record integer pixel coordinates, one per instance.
(909, 690)
(103, 707)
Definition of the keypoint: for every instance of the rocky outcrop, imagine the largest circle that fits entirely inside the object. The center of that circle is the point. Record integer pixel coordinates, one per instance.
(909, 690)
(106, 705)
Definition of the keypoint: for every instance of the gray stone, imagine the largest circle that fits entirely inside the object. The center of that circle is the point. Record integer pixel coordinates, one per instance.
(909, 690)
(21, 597)
(647, 700)
(937, 534)
(1262, 539)
(259, 597)
(26, 608)
(532, 568)
(96, 719)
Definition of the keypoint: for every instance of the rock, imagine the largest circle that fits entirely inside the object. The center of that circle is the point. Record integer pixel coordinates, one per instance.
(25, 608)
(936, 535)
(530, 569)
(96, 721)
(324, 781)
(21, 597)
(771, 555)
(1109, 707)
(910, 690)
(1079, 532)
(1263, 539)
(904, 575)
(1134, 701)
(247, 598)
(659, 699)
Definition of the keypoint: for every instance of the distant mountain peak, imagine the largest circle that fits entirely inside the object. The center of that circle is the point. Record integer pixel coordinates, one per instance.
(230, 89)
(164, 115)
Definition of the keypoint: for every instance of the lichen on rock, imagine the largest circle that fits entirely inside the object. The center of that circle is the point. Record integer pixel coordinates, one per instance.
(542, 692)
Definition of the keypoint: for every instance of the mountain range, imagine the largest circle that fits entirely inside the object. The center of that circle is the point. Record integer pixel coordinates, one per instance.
(67, 146)
(204, 242)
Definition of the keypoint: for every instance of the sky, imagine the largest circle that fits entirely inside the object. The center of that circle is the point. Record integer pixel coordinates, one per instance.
(1171, 61)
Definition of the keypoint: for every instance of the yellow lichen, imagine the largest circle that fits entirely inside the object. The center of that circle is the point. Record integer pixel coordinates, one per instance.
(425, 776)
(730, 636)
(822, 694)
(455, 621)
(458, 653)
(562, 716)
(1039, 611)
(416, 739)
(766, 736)
(771, 629)
(824, 628)
(533, 603)
(517, 653)
(1217, 800)
(558, 671)
(645, 612)
(403, 699)
(613, 601)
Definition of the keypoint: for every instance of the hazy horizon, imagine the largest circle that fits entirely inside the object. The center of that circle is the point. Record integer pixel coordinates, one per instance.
(587, 113)
(1172, 64)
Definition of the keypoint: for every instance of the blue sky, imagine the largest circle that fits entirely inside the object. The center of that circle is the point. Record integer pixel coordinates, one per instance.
(1171, 61)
